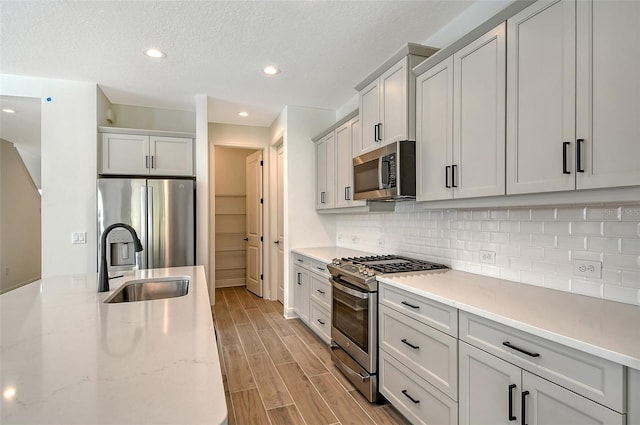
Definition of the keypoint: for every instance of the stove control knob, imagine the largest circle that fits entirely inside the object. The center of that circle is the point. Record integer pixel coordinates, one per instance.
(371, 272)
(335, 261)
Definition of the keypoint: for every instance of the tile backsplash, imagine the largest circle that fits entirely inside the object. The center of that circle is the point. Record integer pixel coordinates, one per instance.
(538, 246)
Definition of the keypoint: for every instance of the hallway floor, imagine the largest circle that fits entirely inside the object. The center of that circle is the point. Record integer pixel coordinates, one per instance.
(276, 371)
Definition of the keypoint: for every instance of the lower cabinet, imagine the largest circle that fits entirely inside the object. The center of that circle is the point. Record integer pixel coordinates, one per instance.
(301, 292)
(494, 391)
(312, 295)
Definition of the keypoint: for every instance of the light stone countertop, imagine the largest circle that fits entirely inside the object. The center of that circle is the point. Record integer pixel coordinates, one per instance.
(66, 357)
(606, 329)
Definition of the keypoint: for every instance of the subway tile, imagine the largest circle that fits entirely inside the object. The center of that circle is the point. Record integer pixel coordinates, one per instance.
(465, 215)
(556, 228)
(583, 287)
(450, 215)
(586, 255)
(509, 274)
(480, 236)
(458, 225)
(451, 254)
(465, 255)
(631, 246)
(570, 213)
(472, 225)
(520, 214)
(490, 226)
(509, 250)
(564, 269)
(609, 245)
(473, 268)
(532, 278)
(520, 238)
(545, 267)
(572, 242)
(490, 270)
(586, 228)
(630, 279)
(621, 294)
(510, 226)
(621, 261)
(522, 264)
(531, 227)
(488, 246)
(624, 228)
(557, 282)
(609, 276)
(480, 215)
(543, 214)
(444, 243)
(456, 264)
(499, 214)
(603, 214)
(557, 255)
(545, 241)
(630, 214)
(465, 235)
(499, 237)
(473, 246)
(457, 244)
(502, 261)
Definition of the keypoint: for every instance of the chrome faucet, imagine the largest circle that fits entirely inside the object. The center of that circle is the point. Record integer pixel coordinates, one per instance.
(103, 274)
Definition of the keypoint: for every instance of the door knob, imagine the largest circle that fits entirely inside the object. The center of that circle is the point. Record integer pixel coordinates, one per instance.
(277, 242)
(246, 239)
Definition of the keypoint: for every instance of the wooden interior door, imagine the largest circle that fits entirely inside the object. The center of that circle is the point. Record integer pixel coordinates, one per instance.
(280, 223)
(254, 222)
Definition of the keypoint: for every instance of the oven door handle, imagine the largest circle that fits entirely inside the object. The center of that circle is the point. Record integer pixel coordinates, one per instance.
(352, 292)
(346, 368)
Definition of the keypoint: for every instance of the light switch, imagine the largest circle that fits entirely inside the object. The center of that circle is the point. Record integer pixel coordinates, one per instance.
(78, 237)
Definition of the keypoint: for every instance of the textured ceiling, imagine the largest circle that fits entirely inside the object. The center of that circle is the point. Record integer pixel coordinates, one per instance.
(217, 48)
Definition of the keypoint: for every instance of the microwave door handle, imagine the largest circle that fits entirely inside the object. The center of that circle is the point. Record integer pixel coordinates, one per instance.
(380, 173)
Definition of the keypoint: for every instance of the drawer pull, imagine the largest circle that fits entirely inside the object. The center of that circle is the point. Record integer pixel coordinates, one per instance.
(320, 268)
(513, 347)
(524, 407)
(321, 291)
(511, 416)
(301, 260)
(415, 347)
(321, 322)
(410, 305)
(409, 397)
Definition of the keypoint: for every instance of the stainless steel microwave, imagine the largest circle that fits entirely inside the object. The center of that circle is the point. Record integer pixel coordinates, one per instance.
(387, 173)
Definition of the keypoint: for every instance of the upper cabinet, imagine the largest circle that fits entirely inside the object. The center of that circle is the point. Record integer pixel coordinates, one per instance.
(138, 154)
(573, 127)
(387, 100)
(334, 165)
(460, 122)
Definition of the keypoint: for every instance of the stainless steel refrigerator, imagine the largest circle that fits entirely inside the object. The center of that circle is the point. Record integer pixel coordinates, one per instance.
(162, 212)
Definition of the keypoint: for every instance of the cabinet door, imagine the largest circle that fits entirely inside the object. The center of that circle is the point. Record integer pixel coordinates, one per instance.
(546, 403)
(325, 166)
(344, 165)
(125, 154)
(301, 292)
(356, 135)
(541, 98)
(479, 117)
(370, 118)
(394, 103)
(171, 156)
(434, 132)
(608, 93)
(489, 388)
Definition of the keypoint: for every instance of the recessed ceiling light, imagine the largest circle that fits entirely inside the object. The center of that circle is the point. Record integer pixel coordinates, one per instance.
(271, 70)
(243, 114)
(9, 111)
(155, 53)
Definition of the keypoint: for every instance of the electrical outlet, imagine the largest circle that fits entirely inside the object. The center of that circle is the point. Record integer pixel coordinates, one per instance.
(587, 268)
(78, 237)
(488, 257)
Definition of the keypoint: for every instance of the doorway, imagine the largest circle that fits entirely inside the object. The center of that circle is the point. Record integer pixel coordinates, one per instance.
(231, 215)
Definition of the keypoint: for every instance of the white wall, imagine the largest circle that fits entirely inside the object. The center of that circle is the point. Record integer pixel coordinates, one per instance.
(238, 136)
(68, 169)
(532, 245)
(203, 243)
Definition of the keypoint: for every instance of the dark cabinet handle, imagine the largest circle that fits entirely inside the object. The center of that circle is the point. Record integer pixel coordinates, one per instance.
(146, 161)
(322, 292)
(153, 161)
(300, 260)
(415, 347)
(321, 322)
(446, 176)
(513, 347)
(322, 196)
(453, 176)
(524, 407)
(277, 242)
(565, 170)
(579, 168)
(410, 305)
(409, 397)
(299, 278)
(511, 416)
(375, 133)
(246, 239)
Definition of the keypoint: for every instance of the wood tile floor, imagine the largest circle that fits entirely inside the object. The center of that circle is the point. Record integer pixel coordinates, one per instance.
(277, 372)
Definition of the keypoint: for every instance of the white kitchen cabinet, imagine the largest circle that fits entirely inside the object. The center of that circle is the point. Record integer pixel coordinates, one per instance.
(301, 292)
(387, 100)
(573, 127)
(460, 122)
(334, 165)
(493, 391)
(325, 172)
(135, 154)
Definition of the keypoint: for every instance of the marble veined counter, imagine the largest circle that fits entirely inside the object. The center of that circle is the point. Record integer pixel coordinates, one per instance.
(66, 357)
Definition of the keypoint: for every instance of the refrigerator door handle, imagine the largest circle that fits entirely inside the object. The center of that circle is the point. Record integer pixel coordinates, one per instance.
(143, 224)
(150, 228)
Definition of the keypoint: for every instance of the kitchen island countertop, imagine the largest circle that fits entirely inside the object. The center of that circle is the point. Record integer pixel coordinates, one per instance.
(69, 358)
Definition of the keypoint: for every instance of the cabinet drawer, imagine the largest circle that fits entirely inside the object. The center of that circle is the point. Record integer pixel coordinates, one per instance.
(433, 313)
(321, 290)
(301, 260)
(432, 354)
(319, 267)
(400, 385)
(320, 321)
(593, 377)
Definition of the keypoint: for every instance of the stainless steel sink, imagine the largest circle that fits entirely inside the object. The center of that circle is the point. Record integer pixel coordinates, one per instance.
(150, 289)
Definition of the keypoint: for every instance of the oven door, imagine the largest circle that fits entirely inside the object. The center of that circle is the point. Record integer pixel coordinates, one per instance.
(354, 324)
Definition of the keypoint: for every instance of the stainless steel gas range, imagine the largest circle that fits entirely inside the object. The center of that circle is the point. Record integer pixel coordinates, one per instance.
(354, 317)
